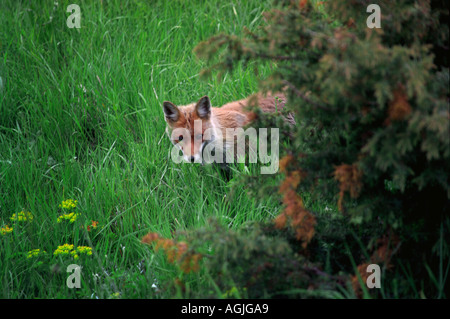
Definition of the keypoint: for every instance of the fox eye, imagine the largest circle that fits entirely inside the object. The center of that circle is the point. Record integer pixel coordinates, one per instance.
(180, 138)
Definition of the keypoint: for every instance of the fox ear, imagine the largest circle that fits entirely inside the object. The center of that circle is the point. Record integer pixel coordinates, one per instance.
(171, 111)
(203, 107)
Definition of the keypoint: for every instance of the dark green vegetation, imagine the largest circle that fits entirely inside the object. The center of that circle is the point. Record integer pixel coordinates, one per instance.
(372, 134)
(365, 172)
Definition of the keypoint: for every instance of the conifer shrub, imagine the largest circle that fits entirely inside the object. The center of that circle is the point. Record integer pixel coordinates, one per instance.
(371, 133)
(256, 261)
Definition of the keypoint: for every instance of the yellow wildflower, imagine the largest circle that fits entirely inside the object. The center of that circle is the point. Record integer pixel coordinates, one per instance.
(35, 253)
(6, 230)
(84, 250)
(68, 204)
(115, 295)
(22, 217)
(67, 249)
(63, 250)
(74, 254)
(71, 217)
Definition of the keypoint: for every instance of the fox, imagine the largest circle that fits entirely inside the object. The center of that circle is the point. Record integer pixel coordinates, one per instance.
(181, 128)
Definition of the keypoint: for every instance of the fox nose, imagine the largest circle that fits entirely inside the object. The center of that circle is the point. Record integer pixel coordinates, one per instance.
(192, 158)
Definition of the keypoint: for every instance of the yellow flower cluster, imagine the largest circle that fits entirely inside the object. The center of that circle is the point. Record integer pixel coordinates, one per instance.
(71, 217)
(6, 230)
(35, 253)
(22, 217)
(68, 204)
(84, 250)
(67, 249)
(63, 250)
(115, 295)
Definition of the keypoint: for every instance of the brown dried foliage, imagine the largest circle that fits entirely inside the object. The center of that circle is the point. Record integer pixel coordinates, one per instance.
(399, 107)
(349, 178)
(387, 246)
(294, 214)
(176, 252)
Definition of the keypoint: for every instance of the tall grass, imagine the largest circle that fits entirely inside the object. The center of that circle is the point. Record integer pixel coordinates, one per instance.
(80, 118)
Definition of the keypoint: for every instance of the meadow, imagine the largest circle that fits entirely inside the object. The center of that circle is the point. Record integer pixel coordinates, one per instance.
(85, 167)
(86, 175)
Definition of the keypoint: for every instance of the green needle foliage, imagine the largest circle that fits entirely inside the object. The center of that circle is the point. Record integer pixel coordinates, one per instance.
(372, 114)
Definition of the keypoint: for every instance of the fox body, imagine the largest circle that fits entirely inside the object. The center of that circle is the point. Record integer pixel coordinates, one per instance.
(195, 126)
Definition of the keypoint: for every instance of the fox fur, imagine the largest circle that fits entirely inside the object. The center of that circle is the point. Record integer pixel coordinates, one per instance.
(231, 115)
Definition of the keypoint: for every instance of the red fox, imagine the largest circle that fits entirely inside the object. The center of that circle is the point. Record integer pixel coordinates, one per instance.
(214, 122)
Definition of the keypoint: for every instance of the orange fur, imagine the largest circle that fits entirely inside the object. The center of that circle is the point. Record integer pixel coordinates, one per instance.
(231, 115)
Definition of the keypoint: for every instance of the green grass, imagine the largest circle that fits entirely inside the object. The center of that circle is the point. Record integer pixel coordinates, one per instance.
(81, 118)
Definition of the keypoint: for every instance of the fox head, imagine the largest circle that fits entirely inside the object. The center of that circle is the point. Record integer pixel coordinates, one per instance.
(186, 126)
